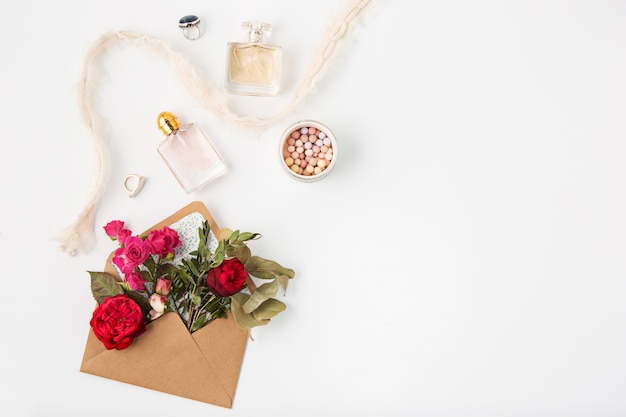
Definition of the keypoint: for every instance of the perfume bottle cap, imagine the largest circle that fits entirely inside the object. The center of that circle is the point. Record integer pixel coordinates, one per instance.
(257, 30)
(168, 123)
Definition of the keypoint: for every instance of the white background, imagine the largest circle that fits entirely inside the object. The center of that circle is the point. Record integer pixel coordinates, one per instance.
(464, 258)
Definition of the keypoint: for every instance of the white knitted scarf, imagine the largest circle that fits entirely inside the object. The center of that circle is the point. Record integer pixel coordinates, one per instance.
(80, 235)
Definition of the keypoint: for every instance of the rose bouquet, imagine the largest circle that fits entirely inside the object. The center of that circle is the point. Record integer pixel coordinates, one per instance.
(186, 270)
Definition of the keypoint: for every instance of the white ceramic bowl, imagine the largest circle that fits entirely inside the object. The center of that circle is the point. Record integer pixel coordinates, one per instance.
(306, 171)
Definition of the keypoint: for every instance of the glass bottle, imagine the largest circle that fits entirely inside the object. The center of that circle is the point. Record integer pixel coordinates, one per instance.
(254, 67)
(188, 153)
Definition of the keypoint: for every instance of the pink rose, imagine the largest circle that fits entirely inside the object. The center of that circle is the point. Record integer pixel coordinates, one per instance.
(113, 229)
(135, 281)
(119, 260)
(163, 242)
(122, 235)
(163, 286)
(132, 254)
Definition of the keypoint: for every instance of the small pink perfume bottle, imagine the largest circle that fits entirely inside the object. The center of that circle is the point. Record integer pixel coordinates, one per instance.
(188, 153)
(254, 67)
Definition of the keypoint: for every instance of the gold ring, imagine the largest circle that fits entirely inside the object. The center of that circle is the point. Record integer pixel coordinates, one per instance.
(138, 181)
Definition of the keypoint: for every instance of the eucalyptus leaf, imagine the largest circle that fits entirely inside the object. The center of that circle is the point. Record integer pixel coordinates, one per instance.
(243, 320)
(224, 234)
(262, 293)
(283, 280)
(266, 269)
(269, 309)
(104, 285)
(234, 245)
(242, 253)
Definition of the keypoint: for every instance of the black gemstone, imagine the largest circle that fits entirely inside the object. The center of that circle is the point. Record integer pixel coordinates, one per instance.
(189, 20)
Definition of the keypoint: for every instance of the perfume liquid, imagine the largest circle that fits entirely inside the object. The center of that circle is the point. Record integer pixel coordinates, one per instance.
(254, 67)
(188, 153)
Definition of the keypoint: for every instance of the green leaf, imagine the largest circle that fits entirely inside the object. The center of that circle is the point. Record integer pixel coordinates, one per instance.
(221, 246)
(203, 234)
(150, 264)
(269, 309)
(266, 269)
(262, 293)
(233, 236)
(219, 258)
(167, 270)
(249, 236)
(181, 278)
(193, 267)
(104, 285)
(146, 275)
(243, 320)
(199, 323)
(196, 299)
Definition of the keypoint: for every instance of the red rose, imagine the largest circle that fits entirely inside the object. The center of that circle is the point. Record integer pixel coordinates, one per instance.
(163, 242)
(117, 321)
(228, 278)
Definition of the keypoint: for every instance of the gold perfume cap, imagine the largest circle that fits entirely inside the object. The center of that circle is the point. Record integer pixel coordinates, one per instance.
(168, 123)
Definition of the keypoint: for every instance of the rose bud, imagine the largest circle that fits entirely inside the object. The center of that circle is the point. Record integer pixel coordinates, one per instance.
(163, 286)
(157, 302)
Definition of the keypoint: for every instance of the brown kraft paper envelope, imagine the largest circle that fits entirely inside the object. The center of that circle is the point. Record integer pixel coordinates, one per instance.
(202, 366)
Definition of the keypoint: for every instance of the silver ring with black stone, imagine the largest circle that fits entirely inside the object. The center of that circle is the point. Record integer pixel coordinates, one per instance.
(190, 25)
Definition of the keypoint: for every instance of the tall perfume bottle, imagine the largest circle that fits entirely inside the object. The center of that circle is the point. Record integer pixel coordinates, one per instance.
(188, 153)
(254, 67)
